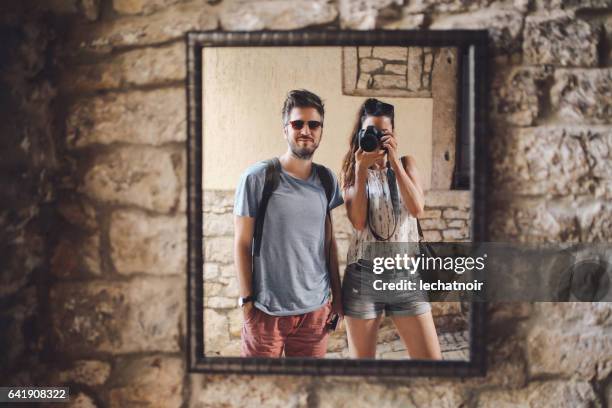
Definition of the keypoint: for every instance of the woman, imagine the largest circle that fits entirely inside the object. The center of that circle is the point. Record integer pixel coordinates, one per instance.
(370, 209)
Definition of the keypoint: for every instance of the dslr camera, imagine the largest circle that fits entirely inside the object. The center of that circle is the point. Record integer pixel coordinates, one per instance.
(369, 138)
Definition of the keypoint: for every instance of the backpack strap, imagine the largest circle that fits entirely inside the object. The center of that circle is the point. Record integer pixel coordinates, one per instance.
(327, 181)
(273, 169)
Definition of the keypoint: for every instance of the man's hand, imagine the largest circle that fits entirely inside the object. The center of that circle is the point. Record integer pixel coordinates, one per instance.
(247, 309)
(336, 308)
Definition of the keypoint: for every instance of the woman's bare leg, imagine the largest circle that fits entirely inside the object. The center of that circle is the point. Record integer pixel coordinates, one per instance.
(419, 335)
(362, 336)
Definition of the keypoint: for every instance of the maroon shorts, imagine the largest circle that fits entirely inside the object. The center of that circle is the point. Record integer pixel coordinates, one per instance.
(304, 335)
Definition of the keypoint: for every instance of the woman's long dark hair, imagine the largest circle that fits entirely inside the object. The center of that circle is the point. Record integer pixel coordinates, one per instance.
(371, 107)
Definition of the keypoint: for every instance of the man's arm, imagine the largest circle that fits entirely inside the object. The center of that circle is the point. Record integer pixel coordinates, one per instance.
(243, 240)
(334, 270)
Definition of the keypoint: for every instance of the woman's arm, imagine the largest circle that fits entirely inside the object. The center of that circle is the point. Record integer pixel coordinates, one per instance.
(409, 184)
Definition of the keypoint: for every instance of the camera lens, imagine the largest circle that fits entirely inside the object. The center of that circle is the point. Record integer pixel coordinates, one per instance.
(369, 139)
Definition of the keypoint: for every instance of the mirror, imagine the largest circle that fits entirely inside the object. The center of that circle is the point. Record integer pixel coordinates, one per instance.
(237, 119)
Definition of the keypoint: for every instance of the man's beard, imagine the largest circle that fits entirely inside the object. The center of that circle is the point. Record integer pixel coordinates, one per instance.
(302, 153)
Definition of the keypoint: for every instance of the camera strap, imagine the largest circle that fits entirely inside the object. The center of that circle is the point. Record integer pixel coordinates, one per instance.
(393, 192)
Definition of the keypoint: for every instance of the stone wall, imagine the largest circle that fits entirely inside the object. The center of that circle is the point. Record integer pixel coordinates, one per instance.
(103, 233)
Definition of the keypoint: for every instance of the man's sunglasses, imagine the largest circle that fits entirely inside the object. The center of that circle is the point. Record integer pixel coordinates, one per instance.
(374, 107)
(299, 124)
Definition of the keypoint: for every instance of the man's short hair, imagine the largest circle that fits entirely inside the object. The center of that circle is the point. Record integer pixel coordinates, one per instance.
(301, 98)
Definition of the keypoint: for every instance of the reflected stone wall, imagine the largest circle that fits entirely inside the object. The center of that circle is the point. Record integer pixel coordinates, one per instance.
(447, 217)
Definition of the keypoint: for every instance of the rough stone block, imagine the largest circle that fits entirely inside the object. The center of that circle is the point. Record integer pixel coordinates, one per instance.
(76, 256)
(455, 235)
(134, 175)
(90, 9)
(277, 15)
(447, 198)
(228, 271)
(81, 400)
(571, 315)
(550, 5)
(229, 390)
(218, 302)
(117, 317)
(431, 214)
(569, 393)
(236, 319)
(406, 22)
(432, 236)
(170, 24)
(558, 38)
(141, 243)
(88, 372)
(231, 288)
(212, 288)
(398, 69)
(147, 66)
(452, 214)
(569, 219)
(583, 95)
(570, 351)
(552, 160)
(369, 65)
(141, 6)
(364, 81)
(218, 201)
(445, 308)
(147, 381)
(216, 331)
(332, 394)
(363, 14)
(154, 117)
(516, 94)
(503, 25)
(457, 224)
(391, 53)
(219, 249)
(389, 82)
(444, 6)
(211, 271)
(433, 224)
(79, 212)
(218, 225)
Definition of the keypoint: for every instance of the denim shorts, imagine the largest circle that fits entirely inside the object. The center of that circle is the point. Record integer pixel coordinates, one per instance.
(360, 301)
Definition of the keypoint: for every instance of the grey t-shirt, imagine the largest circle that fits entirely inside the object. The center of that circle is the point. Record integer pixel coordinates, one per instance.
(290, 275)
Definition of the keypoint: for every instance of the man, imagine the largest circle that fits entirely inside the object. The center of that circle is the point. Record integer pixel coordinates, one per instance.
(285, 288)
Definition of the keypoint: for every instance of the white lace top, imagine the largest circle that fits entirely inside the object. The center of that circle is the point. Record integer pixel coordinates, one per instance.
(381, 218)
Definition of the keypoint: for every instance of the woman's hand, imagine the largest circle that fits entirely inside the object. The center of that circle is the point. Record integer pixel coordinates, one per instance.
(389, 142)
(365, 160)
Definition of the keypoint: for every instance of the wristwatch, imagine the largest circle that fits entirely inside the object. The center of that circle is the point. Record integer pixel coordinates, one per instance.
(244, 300)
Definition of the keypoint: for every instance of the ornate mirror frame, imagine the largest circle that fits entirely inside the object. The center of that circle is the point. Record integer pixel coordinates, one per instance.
(473, 46)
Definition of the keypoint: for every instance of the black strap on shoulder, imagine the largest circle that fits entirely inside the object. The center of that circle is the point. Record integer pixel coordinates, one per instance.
(328, 185)
(327, 181)
(273, 169)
